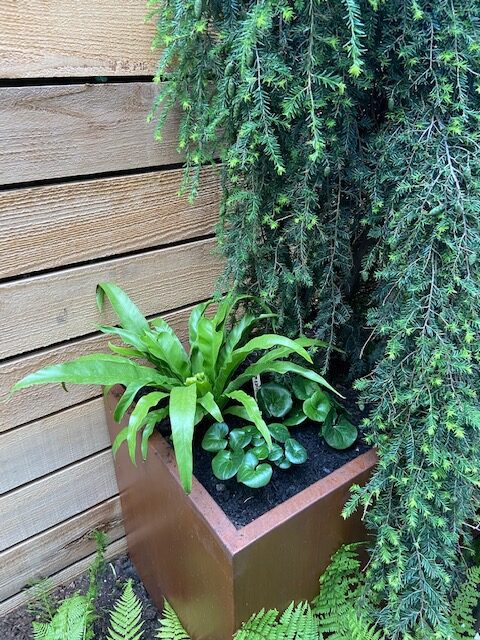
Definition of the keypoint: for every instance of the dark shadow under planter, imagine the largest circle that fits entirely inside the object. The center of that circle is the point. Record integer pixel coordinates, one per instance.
(214, 575)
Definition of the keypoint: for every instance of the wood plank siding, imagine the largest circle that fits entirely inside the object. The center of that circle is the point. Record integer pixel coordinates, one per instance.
(86, 195)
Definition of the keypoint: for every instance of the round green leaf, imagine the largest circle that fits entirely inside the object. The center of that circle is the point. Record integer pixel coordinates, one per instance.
(303, 388)
(284, 463)
(261, 451)
(252, 474)
(240, 438)
(317, 407)
(295, 452)
(340, 435)
(226, 463)
(279, 431)
(295, 417)
(257, 439)
(274, 400)
(215, 437)
(276, 454)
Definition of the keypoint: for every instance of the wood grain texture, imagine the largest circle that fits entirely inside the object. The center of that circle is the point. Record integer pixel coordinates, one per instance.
(55, 498)
(36, 402)
(64, 577)
(52, 226)
(59, 547)
(87, 38)
(42, 310)
(73, 130)
(52, 443)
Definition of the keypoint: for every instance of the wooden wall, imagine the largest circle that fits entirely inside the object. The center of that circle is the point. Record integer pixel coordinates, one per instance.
(86, 195)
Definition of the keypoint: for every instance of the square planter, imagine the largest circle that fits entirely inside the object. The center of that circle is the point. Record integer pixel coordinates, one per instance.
(214, 575)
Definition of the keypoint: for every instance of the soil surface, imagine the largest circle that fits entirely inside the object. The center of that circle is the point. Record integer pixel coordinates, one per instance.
(241, 504)
(18, 624)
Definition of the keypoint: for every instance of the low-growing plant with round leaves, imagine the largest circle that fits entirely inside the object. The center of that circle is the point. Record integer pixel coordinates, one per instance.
(319, 406)
(244, 453)
(183, 385)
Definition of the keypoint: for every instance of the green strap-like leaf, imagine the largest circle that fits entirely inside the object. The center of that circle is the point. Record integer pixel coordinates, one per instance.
(209, 341)
(153, 418)
(260, 343)
(167, 350)
(126, 352)
(284, 352)
(97, 368)
(126, 400)
(138, 418)
(281, 367)
(195, 316)
(208, 403)
(253, 412)
(174, 350)
(182, 409)
(128, 337)
(128, 313)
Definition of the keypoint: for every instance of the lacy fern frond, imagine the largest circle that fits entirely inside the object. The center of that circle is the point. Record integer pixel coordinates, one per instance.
(126, 618)
(70, 621)
(338, 585)
(462, 617)
(170, 626)
(299, 623)
(296, 623)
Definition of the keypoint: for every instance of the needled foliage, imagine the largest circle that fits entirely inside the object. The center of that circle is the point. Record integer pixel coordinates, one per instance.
(277, 90)
(425, 418)
(325, 113)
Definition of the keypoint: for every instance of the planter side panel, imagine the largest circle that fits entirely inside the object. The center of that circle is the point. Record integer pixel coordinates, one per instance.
(171, 545)
(286, 562)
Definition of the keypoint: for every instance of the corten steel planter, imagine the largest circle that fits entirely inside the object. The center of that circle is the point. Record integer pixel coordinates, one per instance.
(214, 575)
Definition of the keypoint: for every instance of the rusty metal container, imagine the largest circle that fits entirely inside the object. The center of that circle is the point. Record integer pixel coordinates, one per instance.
(214, 575)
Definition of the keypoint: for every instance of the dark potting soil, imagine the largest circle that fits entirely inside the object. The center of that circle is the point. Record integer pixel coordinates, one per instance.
(242, 504)
(17, 625)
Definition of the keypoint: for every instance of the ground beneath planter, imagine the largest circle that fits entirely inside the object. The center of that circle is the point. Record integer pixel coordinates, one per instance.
(17, 625)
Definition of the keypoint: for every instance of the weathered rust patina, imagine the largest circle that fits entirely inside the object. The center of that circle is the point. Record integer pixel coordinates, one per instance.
(214, 575)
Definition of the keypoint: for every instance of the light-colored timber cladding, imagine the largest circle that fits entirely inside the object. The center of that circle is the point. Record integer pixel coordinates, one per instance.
(38, 401)
(44, 503)
(73, 130)
(64, 576)
(53, 442)
(58, 547)
(82, 38)
(44, 309)
(51, 226)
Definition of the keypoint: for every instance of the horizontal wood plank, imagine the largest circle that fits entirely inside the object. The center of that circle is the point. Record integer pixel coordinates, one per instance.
(65, 576)
(52, 443)
(42, 310)
(73, 130)
(88, 38)
(52, 226)
(59, 547)
(38, 401)
(62, 495)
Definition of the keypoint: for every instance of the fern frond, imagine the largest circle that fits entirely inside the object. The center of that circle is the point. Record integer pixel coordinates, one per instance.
(70, 622)
(126, 618)
(170, 626)
(261, 626)
(299, 623)
(462, 619)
